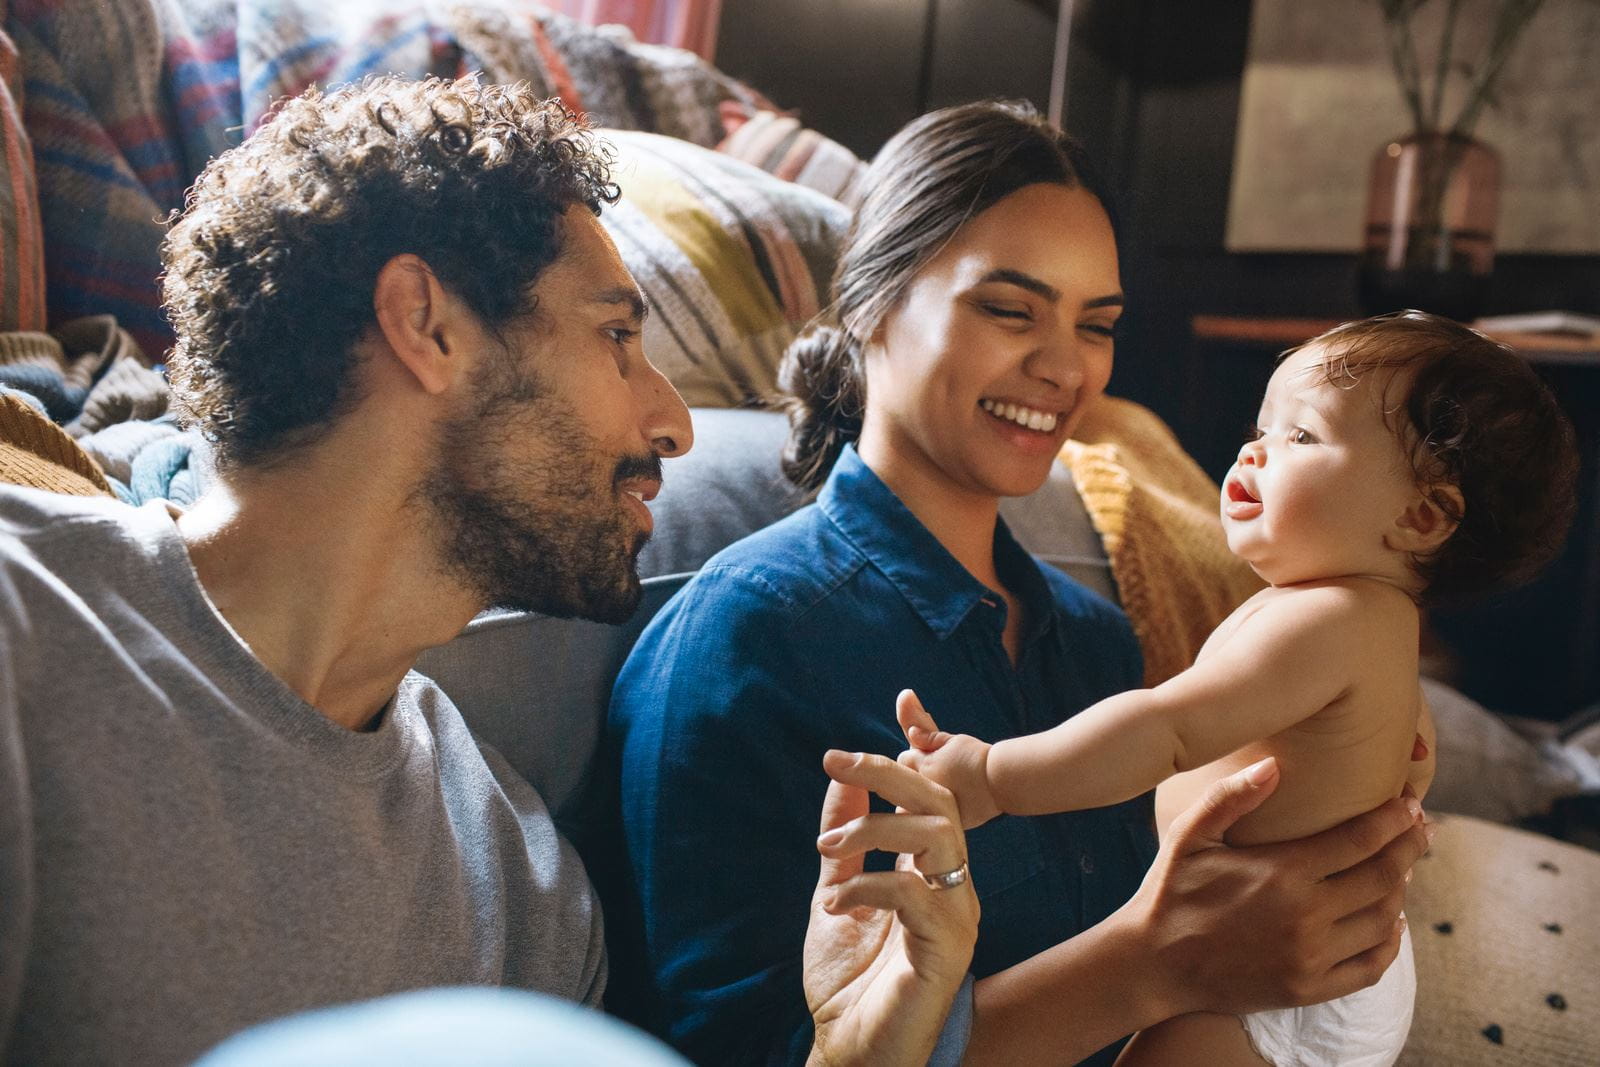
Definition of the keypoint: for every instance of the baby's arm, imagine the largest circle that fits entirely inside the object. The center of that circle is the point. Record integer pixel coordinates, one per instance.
(1286, 661)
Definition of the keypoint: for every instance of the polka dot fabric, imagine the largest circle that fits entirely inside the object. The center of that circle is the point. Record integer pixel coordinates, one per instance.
(1507, 941)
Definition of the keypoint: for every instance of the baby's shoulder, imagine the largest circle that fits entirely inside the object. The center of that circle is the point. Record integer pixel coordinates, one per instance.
(1340, 612)
(1335, 600)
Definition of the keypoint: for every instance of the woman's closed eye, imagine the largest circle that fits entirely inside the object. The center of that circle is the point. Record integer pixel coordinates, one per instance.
(1006, 311)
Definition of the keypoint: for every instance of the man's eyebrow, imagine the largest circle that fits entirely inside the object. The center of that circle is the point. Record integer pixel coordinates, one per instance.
(1027, 281)
(626, 295)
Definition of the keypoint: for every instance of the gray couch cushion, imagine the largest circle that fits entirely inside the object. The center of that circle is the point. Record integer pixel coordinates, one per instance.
(730, 485)
(537, 688)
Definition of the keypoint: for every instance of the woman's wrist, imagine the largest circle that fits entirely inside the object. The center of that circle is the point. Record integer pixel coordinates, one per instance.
(1163, 991)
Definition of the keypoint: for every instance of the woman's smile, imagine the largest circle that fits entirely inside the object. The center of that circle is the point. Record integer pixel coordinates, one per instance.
(1027, 417)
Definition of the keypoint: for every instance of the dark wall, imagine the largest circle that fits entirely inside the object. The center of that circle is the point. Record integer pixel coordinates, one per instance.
(1155, 88)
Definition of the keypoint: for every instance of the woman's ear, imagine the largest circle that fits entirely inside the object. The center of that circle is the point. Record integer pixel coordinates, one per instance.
(1424, 525)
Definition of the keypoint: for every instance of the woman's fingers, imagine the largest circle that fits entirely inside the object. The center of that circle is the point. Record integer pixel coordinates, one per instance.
(1370, 928)
(902, 892)
(926, 828)
(900, 786)
(1225, 803)
(1380, 878)
(1375, 849)
(1362, 969)
(841, 805)
(932, 839)
(1419, 750)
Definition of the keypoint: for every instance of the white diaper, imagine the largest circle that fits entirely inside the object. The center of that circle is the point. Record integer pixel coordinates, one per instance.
(1368, 1028)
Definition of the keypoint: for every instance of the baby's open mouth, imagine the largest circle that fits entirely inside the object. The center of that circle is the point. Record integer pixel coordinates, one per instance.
(1239, 494)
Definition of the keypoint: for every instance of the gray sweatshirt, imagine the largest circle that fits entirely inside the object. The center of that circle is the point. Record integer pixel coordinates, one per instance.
(187, 847)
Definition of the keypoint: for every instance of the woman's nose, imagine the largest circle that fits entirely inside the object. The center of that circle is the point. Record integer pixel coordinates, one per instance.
(1059, 361)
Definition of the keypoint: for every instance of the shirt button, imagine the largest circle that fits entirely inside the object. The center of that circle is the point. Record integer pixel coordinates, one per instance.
(1086, 863)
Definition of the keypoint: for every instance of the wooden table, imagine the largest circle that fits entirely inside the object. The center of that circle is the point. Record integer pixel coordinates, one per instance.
(1533, 651)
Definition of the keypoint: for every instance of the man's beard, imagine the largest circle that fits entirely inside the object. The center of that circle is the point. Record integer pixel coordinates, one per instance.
(542, 531)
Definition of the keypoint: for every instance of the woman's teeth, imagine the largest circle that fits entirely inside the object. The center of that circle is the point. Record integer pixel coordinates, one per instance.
(1043, 421)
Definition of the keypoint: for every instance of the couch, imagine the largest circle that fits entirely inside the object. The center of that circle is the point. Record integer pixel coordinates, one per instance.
(736, 258)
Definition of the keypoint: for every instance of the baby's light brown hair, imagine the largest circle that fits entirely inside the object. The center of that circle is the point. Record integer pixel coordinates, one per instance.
(1475, 416)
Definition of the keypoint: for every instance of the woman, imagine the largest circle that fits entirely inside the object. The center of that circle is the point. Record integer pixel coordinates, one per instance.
(977, 298)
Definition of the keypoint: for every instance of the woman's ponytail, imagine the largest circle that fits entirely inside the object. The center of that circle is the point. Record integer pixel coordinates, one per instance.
(825, 395)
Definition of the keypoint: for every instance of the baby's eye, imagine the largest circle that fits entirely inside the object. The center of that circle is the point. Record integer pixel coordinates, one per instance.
(1254, 433)
(1301, 436)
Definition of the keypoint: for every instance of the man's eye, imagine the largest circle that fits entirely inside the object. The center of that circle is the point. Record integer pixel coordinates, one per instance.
(621, 335)
(1301, 436)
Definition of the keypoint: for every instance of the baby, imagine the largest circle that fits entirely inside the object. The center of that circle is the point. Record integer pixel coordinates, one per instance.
(1398, 460)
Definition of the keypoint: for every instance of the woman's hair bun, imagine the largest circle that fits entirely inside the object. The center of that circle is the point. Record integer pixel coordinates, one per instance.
(824, 398)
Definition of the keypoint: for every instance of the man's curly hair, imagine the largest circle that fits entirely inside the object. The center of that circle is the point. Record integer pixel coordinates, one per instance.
(271, 265)
(1475, 416)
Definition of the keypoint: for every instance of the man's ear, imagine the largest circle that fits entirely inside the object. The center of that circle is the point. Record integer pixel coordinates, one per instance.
(418, 321)
(1424, 525)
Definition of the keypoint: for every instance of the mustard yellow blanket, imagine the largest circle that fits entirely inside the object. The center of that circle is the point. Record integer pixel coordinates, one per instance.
(1156, 512)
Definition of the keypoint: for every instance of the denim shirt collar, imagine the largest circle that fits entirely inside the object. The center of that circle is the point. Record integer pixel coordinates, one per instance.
(938, 588)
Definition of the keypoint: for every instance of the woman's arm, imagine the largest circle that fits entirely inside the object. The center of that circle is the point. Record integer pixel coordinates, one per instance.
(1213, 928)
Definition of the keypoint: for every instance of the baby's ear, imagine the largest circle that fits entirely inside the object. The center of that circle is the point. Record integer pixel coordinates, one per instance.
(1424, 525)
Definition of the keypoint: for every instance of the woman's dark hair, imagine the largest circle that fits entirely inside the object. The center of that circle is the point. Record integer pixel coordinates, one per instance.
(1477, 417)
(939, 171)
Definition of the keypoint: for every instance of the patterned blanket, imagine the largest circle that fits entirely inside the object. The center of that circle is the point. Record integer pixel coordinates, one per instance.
(127, 99)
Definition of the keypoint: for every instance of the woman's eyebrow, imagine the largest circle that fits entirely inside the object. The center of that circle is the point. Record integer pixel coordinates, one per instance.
(1023, 280)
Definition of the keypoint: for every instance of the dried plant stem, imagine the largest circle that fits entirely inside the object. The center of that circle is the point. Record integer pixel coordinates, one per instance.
(1513, 16)
(1441, 63)
(1403, 54)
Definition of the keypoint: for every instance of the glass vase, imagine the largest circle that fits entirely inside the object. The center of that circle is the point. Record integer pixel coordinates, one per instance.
(1431, 209)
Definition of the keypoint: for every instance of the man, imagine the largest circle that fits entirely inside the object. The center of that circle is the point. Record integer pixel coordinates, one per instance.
(224, 797)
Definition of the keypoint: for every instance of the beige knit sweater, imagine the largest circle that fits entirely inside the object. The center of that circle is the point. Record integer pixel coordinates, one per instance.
(1156, 512)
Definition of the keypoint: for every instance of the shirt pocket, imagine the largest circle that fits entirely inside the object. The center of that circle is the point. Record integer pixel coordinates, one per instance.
(1002, 854)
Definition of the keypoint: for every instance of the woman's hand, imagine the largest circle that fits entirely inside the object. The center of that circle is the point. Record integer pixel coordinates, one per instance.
(1235, 930)
(959, 762)
(885, 953)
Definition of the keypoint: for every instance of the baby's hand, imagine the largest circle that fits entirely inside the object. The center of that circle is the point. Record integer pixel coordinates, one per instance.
(956, 761)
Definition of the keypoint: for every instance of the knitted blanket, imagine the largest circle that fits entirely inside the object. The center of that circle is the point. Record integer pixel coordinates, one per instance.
(127, 99)
(1156, 512)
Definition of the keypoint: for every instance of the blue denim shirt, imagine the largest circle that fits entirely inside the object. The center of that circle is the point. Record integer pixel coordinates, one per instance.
(796, 640)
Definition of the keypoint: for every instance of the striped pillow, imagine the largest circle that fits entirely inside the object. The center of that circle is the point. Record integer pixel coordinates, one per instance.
(779, 145)
(21, 241)
(735, 263)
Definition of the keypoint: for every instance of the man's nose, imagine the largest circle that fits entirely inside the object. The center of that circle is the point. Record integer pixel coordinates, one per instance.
(666, 423)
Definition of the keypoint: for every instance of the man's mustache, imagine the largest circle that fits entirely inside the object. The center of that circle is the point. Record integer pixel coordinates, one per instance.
(646, 466)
